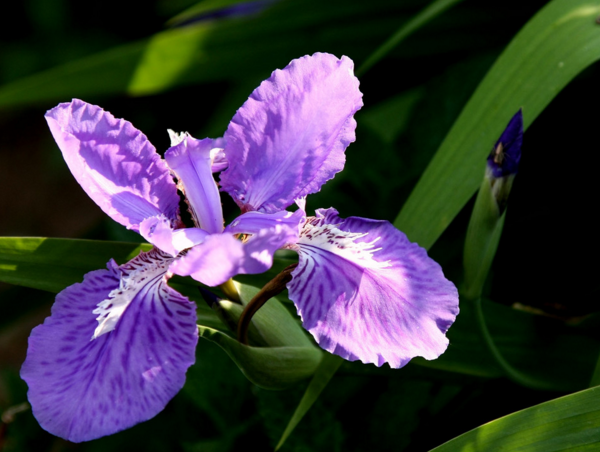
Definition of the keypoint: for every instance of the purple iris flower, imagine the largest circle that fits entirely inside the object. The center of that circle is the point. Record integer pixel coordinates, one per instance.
(362, 289)
(116, 347)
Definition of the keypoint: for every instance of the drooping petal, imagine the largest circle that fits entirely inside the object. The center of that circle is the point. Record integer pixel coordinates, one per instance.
(157, 230)
(82, 388)
(289, 137)
(114, 163)
(365, 292)
(191, 160)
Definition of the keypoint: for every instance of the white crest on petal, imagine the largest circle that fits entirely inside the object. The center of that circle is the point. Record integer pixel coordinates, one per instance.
(146, 269)
(175, 137)
(343, 243)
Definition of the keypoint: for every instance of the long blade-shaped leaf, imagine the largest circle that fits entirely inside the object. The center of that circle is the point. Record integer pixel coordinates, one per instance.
(430, 12)
(324, 373)
(569, 423)
(53, 264)
(554, 46)
(230, 49)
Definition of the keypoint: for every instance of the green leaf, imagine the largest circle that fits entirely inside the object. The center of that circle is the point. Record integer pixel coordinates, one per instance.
(230, 49)
(552, 48)
(561, 356)
(433, 10)
(570, 423)
(389, 119)
(53, 264)
(324, 373)
(268, 367)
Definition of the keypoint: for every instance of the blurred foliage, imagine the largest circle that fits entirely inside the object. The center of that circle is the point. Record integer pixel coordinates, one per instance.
(192, 74)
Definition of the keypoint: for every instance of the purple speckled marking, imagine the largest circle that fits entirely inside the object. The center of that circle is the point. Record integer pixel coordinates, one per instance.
(126, 374)
(388, 305)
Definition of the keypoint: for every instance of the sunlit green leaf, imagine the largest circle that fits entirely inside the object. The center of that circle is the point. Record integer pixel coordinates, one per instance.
(53, 264)
(227, 49)
(552, 48)
(570, 423)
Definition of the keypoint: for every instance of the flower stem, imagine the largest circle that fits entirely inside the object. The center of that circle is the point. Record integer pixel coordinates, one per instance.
(272, 288)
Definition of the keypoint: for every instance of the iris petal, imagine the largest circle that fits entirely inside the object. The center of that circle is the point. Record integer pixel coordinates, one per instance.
(157, 230)
(82, 389)
(191, 161)
(114, 163)
(366, 293)
(289, 137)
(254, 222)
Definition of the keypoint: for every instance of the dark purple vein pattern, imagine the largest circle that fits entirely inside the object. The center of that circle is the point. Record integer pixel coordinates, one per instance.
(81, 389)
(366, 293)
(114, 163)
(289, 137)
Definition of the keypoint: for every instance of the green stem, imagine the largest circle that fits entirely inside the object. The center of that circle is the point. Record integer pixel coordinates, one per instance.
(272, 288)
(510, 371)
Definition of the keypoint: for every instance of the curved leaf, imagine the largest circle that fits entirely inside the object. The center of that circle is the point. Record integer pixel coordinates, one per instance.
(268, 367)
(568, 423)
(553, 47)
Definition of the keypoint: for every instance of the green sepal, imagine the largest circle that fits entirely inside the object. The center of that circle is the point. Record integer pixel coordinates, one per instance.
(272, 368)
(481, 243)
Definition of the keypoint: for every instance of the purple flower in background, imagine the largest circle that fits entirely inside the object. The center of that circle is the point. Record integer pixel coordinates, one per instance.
(362, 289)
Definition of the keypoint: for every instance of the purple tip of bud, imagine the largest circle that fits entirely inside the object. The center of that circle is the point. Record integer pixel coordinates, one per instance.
(506, 154)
